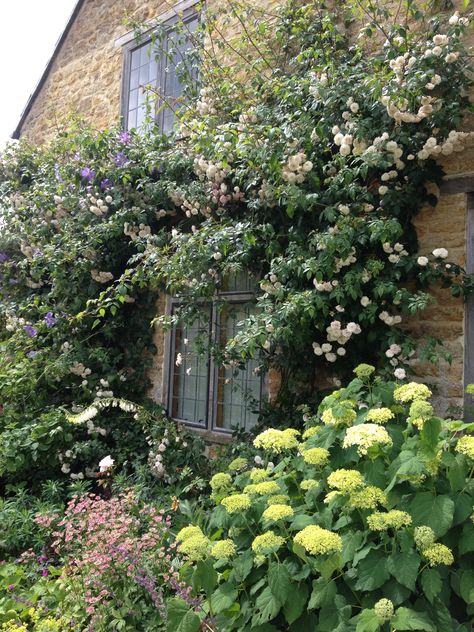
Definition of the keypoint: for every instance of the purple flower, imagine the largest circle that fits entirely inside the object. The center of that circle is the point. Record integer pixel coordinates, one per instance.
(105, 184)
(50, 320)
(31, 354)
(120, 159)
(11, 587)
(30, 331)
(45, 572)
(88, 174)
(124, 137)
(38, 253)
(56, 173)
(4, 257)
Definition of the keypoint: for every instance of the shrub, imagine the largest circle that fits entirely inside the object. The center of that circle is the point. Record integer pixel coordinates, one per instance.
(363, 522)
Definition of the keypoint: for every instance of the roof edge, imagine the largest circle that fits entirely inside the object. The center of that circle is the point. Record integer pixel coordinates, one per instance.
(16, 134)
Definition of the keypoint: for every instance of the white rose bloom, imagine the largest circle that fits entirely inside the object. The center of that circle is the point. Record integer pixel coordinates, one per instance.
(364, 301)
(400, 374)
(383, 190)
(326, 347)
(106, 463)
(440, 253)
(331, 357)
(422, 261)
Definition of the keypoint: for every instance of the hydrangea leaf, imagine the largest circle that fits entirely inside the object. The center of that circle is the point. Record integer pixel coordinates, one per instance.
(431, 583)
(372, 571)
(408, 619)
(433, 511)
(404, 567)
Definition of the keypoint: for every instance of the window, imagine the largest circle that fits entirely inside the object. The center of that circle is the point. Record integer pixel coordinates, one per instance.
(199, 392)
(155, 62)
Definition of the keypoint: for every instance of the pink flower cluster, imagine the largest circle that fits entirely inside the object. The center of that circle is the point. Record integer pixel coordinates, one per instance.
(108, 544)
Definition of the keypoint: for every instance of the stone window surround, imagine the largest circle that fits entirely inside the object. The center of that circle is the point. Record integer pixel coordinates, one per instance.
(210, 433)
(128, 42)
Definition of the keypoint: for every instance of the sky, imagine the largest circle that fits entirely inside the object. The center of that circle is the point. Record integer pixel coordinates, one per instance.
(29, 30)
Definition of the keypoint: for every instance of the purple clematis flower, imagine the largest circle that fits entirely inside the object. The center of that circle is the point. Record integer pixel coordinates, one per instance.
(105, 184)
(30, 331)
(124, 137)
(50, 320)
(120, 159)
(88, 174)
(56, 173)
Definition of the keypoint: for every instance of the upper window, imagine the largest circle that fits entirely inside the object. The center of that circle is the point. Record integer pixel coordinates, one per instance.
(158, 62)
(201, 393)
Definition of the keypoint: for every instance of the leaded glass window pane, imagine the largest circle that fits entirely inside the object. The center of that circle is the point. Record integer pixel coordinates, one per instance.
(238, 391)
(190, 373)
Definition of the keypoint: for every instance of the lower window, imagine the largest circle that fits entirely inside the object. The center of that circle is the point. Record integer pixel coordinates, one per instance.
(202, 394)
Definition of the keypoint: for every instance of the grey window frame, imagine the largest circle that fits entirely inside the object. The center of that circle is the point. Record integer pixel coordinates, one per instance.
(233, 298)
(183, 11)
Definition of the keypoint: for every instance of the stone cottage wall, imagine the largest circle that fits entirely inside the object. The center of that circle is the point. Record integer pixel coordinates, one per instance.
(86, 78)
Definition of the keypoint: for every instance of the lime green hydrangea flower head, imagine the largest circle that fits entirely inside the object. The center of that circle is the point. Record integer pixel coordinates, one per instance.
(366, 436)
(267, 543)
(316, 456)
(188, 532)
(393, 519)
(257, 475)
(465, 445)
(367, 498)
(310, 432)
(318, 541)
(277, 441)
(263, 489)
(223, 550)
(384, 609)
(470, 389)
(236, 503)
(411, 391)
(345, 481)
(221, 482)
(438, 554)
(420, 411)
(364, 371)
(424, 537)
(277, 512)
(344, 416)
(238, 464)
(379, 415)
(278, 499)
(196, 548)
(308, 484)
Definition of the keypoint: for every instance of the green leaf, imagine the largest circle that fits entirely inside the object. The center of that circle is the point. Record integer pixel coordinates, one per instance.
(295, 602)
(431, 583)
(223, 597)
(242, 566)
(323, 593)
(267, 606)
(433, 511)
(410, 464)
(279, 581)
(466, 586)
(204, 578)
(466, 541)
(430, 435)
(372, 571)
(181, 618)
(404, 567)
(407, 619)
(367, 621)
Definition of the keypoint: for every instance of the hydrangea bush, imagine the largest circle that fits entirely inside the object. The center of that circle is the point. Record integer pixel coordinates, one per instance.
(362, 522)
